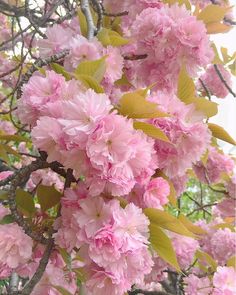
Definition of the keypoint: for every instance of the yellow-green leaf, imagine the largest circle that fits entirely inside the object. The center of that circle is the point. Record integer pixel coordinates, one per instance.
(7, 219)
(220, 133)
(3, 195)
(123, 81)
(25, 201)
(48, 196)
(134, 105)
(186, 88)
(213, 13)
(10, 150)
(231, 261)
(208, 108)
(217, 59)
(206, 258)
(82, 23)
(163, 246)
(62, 290)
(216, 28)
(60, 70)
(232, 68)
(16, 138)
(94, 68)
(179, 2)
(151, 131)
(109, 37)
(90, 82)
(3, 153)
(190, 226)
(167, 221)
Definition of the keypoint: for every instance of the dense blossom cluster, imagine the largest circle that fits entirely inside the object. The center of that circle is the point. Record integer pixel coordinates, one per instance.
(117, 181)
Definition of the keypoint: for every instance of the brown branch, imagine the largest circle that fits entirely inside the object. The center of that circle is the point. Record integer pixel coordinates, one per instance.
(17, 179)
(40, 270)
(223, 81)
(38, 64)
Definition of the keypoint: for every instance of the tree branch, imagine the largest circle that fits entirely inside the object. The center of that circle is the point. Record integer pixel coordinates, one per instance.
(223, 81)
(40, 270)
(84, 4)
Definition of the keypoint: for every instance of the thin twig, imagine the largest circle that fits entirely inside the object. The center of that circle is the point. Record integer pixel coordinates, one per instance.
(223, 81)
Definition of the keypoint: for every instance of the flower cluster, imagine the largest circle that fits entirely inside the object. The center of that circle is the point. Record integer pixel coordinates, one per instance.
(113, 241)
(169, 33)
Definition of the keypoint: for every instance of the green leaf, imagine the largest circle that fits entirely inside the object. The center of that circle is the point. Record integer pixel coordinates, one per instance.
(3, 153)
(231, 261)
(216, 28)
(167, 221)
(3, 195)
(190, 226)
(205, 258)
(208, 108)
(66, 257)
(109, 37)
(48, 197)
(10, 150)
(134, 105)
(220, 133)
(213, 13)
(90, 82)
(186, 87)
(60, 70)
(82, 23)
(95, 69)
(163, 246)
(7, 219)
(151, 131)
(25, 201)
(16, 138)
(62, 290)
(179, 2)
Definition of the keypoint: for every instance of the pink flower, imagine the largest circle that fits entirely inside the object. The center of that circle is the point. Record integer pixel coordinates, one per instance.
(15, 245)
(197, 286)
(5, 271)
(131, 227)
(82, 49)
(114, 64)
(48, 136)
(57, 40)
(7, 127)
(105, 283)
(169, 33)
(185, 249)
(226, 208)
(80, 115)
(5, 174)
(213, 82)
(54, 276)
(223, 245)
(105, 247)
(37, 93)
(121, 155)
(93, 215)
(187, 143)
(217, 164)
(224, 281)
(156, 193)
